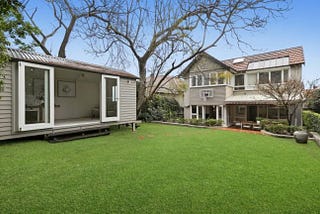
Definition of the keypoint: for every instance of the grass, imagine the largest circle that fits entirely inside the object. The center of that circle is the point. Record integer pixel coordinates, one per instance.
(161, 169)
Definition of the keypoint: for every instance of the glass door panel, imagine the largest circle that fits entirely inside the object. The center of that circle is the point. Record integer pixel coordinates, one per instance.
(109, 98)
(35, 96)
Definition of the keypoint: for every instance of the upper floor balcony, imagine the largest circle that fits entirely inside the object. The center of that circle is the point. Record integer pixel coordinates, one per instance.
(248, 80)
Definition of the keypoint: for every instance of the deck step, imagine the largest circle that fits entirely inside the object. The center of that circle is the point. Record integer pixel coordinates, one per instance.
(75, 135)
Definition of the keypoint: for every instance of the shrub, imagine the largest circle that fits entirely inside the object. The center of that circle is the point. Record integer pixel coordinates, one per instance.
(219, 122)
(292, 129)
(311, 120)
(160, 108)
(186, 121)
(282, 129)
(277, 128)
(267, 122)
(211, 122)
(195, 121)
(179, 120)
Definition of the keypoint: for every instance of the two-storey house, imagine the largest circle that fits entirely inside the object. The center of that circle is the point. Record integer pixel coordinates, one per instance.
(228, 89)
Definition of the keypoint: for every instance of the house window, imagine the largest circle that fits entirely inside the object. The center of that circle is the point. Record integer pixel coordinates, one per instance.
(263, 111)
(276, 77)
(213, 78)
(219, 112)
(241, 110)
(273, 112)
(285, 75)
(193, 80)
(252, 79)
(221, 78)
(206, 93)
(206, 79)
(263, 77)
(239, 82)
(193, 111)
(199, 111)
(282, 113)
(227, 77)
(199, 80)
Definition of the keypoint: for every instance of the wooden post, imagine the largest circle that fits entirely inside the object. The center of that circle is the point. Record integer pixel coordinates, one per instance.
(133, 127)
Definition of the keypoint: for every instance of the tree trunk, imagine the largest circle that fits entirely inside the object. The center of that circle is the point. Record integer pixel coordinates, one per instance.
(65, 41)
(142, 86)
(288, 116)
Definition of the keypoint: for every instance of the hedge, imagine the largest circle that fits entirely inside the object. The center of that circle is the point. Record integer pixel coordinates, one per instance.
(282, 129)
(311, 120)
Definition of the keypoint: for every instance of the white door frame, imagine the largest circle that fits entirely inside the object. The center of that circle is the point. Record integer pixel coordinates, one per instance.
(21, 98)
(116, 95)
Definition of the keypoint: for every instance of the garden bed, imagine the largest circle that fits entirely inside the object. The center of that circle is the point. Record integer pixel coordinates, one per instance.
(185, 124)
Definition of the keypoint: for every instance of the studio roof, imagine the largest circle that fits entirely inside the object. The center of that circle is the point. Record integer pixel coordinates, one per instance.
(27, 56)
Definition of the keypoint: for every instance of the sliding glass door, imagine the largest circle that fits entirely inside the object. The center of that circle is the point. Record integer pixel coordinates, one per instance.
(35, 96)
(109, 98)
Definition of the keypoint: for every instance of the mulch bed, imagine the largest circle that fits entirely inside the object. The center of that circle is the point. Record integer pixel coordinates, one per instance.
(240, 130)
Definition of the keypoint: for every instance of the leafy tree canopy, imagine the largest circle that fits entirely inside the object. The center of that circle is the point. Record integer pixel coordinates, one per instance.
(13, 28)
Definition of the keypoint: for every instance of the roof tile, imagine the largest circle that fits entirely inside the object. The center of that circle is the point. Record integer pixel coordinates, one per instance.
(295, 55)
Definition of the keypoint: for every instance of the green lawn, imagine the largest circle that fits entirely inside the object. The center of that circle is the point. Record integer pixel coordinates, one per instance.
(161, 169)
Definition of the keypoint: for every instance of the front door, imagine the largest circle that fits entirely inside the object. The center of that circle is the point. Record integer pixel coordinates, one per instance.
(252, 113)
(110, 104)
(35, 96)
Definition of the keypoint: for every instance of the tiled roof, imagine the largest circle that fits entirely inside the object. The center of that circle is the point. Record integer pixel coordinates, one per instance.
(295, 55)
(197, 58)
(65, 63)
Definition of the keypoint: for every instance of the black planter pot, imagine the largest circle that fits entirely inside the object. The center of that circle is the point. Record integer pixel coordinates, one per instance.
(301, 136)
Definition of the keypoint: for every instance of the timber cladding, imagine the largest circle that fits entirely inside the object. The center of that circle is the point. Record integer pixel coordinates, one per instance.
(127, 99)
(6, 101)
(219, 95)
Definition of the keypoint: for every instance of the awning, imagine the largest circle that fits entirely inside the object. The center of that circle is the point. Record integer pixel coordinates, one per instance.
(256, 99)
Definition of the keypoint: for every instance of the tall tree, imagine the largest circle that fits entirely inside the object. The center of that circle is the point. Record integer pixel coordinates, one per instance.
(13, 30)
(163, 35)
(66, 15)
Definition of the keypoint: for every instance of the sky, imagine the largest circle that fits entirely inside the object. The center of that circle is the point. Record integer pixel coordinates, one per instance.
(299, 27)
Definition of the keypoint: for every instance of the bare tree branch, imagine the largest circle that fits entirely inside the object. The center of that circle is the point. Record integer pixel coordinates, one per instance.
(289, 95)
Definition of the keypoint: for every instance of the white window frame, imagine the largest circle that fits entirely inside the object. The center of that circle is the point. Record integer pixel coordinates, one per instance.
(116, 92)
(21, 98)
(203, 93)
(193, 114)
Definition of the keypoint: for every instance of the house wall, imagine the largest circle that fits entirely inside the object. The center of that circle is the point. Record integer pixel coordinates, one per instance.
(128, 99)
(186, 112)
(6, 102)
(229, 91)
(87, 94)
(296, 72)
(205, 65)
(192, 95)
(219, 95)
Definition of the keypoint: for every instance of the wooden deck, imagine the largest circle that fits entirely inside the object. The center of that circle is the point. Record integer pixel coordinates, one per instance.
(78, 125)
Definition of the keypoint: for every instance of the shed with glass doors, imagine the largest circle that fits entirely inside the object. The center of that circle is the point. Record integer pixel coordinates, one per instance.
(44, 95)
